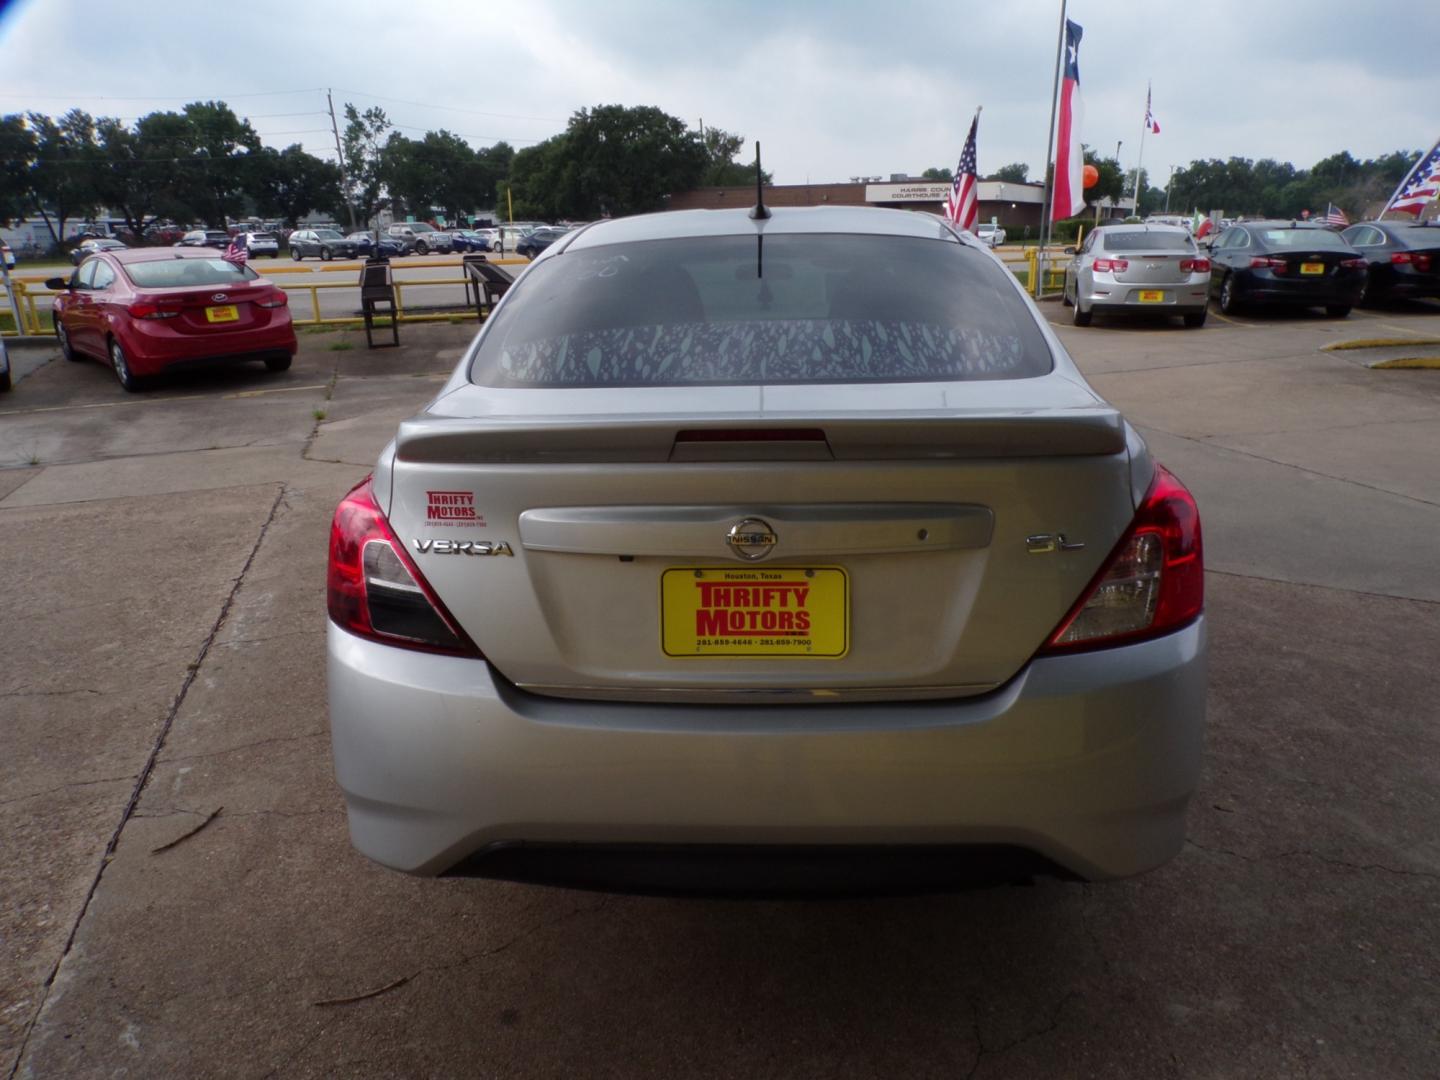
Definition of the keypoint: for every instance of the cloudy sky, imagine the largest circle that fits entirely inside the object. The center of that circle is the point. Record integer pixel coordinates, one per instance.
(832, 88)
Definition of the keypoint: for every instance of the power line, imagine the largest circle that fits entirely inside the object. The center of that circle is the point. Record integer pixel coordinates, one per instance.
(163, 97)
(462, 135)
(449, 108)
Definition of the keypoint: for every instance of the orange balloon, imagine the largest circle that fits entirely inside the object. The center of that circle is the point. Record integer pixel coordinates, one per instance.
(1091, 176)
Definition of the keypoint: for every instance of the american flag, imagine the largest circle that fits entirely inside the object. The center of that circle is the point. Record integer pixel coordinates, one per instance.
(961, 206)
(1335, 216)
(236, 252)
(1420, 187)
(1149, 116)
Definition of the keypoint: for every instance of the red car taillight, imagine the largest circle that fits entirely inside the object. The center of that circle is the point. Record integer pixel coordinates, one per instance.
(1194, 266)
(1261, 262)
(1152, 584)
(1112, 265)
(1354, 264)
(142, 309)
(276, 299)
(375, 591)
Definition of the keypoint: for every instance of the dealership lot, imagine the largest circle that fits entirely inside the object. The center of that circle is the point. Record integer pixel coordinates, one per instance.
(164, 589)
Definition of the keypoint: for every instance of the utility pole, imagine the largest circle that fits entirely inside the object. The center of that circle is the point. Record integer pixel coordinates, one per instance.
(344, 177)
(1049, 186)
(1167, 188)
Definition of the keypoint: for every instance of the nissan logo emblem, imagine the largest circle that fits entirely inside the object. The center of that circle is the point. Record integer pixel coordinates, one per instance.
(751, 539)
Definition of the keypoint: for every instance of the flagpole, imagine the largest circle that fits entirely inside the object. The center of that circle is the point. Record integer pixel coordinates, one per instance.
(1139, 157)
(1045, 215)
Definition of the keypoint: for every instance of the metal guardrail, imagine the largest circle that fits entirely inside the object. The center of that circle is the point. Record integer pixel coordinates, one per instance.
(1025, 262)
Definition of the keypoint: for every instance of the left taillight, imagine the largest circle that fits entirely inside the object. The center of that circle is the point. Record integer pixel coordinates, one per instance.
(1194, 266)
(1153, 582)
(375, 591)
(143, 309)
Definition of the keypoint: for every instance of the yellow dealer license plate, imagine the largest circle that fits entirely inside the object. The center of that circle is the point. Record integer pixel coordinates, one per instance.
(1312, 268)
(1152, 296)
(226, 313)
(746, 611)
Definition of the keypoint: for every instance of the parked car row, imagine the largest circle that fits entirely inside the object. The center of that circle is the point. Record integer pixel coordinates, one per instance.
(1251, 264)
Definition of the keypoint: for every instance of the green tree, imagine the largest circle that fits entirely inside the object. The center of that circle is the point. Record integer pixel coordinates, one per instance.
(291, 183)
(610, 160)
(17, 151)
(933, 173)
(364, 145)
(136, 171)
(215, 169)
(437, 172)
(722, 167)
(1112, 181)
(62, 172)
(1014, 173)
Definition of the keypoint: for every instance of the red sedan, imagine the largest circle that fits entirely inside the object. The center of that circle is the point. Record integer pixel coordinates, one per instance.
(159, 309)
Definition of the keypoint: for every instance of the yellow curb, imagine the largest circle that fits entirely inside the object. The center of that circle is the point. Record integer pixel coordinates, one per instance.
(1378, 343)
(1410, 363)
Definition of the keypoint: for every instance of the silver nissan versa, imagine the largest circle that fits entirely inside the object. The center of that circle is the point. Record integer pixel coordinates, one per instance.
(785, 546)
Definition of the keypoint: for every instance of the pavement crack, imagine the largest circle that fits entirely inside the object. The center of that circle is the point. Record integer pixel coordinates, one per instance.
(271, 637)
(67, 787)
(48, 693)
(320, 413)
(1050, 1025)
(143, 777)
(539, 926)
(1327, 588)
(1212, 442)
(1328, 860)
(244, 746)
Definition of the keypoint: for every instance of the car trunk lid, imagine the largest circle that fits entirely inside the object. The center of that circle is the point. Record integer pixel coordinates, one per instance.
(933, 546)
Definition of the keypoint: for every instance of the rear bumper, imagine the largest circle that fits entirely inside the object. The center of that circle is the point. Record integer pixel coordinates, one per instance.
(1086, 760)
(1264, 287)
(1178, 298)
(152, 348)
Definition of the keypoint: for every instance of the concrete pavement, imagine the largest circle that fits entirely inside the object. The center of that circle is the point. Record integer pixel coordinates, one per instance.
(165, 619)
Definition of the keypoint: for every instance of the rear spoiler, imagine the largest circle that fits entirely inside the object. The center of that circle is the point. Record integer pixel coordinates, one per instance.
(563, 440)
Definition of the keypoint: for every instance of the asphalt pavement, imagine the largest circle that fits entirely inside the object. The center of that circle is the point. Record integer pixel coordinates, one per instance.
(180, 898)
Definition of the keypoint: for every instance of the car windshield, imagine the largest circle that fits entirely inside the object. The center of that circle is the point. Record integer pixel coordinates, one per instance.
(1138, 240)
(1313, 239)
(262, 236)
(181, 273)
(828, 308)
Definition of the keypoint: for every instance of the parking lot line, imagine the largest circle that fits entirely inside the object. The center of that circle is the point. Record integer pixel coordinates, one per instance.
(161, 401)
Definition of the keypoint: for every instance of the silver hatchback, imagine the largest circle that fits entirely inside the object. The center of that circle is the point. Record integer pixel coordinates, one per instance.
(794, 543)
(1138, 268)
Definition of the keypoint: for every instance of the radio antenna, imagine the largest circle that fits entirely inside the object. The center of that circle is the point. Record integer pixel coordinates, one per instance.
(759, 212)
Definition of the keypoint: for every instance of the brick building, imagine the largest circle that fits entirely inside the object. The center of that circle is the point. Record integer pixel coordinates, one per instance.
(1015, 206)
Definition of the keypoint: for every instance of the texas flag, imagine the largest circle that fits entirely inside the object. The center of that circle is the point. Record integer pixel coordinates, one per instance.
(1069, 197)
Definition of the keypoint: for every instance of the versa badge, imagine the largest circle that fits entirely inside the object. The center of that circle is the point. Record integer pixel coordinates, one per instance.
(462, 547)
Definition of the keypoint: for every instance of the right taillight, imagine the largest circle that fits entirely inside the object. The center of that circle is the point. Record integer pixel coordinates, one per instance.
(1153, 582)
(1194, 266)
(375, 591)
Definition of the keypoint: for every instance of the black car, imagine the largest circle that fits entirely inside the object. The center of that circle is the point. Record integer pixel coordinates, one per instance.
(1404, 258)
(538, 240)
(215, 238)
(91, 246)
(1285, 264)
(365, 243)
(325, 244)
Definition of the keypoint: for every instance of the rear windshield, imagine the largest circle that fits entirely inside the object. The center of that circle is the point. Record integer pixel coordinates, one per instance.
(722, 310)
(1313, 239)
(1148, 241)
(262, 236)
(180, 273)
